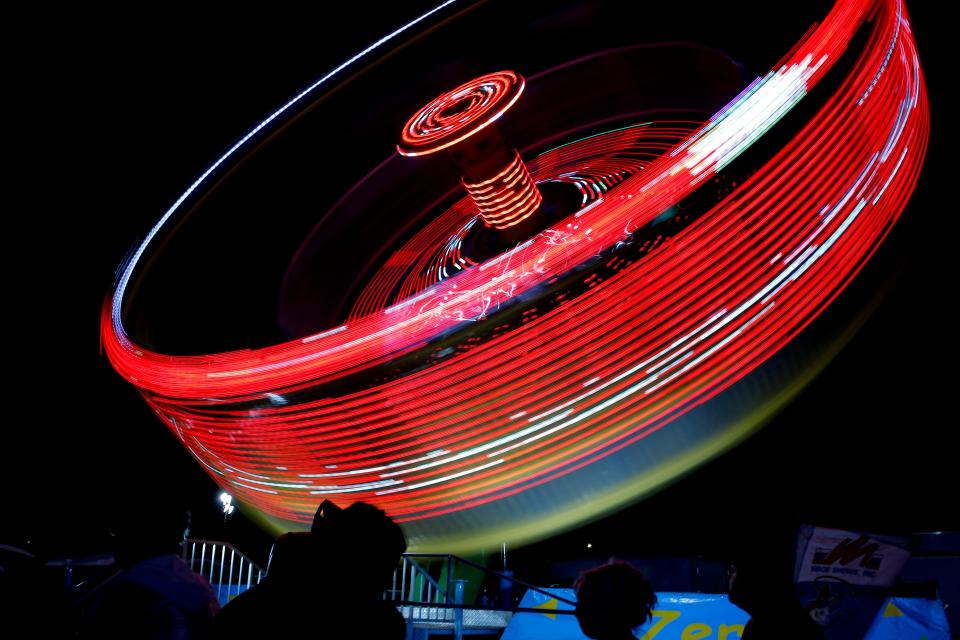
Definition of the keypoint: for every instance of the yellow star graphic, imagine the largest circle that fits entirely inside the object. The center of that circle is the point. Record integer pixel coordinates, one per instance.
(549, 605)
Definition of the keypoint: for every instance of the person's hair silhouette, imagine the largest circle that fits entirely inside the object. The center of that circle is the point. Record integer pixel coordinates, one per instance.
(613, 600)
(330, 580)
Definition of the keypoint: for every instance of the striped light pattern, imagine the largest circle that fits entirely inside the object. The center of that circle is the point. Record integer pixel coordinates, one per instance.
(593, 166)
(458, 114)
(506, 199)
(504, 380)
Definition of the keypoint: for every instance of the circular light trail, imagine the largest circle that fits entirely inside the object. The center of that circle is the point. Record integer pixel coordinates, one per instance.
(509, 381)
(461, 113)
(507, 198)
(592, 166)
(459, 121)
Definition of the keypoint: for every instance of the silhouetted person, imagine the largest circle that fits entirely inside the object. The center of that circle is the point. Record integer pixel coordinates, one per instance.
(285, 601)
(26, 601)
(370, 544)
(764, 589)
(327, 583)
(613, 600)
(156, 595)
(369, 541)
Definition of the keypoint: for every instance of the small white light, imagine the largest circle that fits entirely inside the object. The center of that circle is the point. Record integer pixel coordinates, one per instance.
(589, 546)
(226, 504)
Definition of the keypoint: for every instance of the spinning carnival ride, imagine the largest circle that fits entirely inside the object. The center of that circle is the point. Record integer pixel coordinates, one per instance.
(590, 311)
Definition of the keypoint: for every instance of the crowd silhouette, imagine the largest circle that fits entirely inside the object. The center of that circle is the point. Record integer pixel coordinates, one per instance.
(329, 581)
(155, 594)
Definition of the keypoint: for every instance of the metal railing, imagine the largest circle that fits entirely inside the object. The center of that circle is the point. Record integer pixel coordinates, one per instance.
(430, 595)
(413, 583)
(427, 589)
(228, 570)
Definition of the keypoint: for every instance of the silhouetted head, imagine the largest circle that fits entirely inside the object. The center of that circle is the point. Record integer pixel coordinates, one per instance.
(763, 576)
(325, 518)
(361, 542)
(613, 600)
(377, 538)
(157, 529)
(293, 559)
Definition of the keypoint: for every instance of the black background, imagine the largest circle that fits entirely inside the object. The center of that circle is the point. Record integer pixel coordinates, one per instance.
(125, 108)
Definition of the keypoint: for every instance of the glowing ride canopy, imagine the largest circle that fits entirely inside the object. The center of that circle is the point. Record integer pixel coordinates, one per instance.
(507, 439)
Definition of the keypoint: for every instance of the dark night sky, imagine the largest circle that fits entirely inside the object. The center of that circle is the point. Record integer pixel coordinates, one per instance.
(145, 107)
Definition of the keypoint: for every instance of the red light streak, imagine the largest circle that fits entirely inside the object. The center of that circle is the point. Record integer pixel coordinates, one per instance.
(602, 369)
(461, 113)
(506, 199)
(496, 179)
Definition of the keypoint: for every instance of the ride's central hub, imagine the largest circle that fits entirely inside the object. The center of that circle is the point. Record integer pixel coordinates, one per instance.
(463, 121)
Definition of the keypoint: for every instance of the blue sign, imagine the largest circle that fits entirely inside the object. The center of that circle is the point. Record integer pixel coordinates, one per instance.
(706, 616)
(908, 618)
(678, 616)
